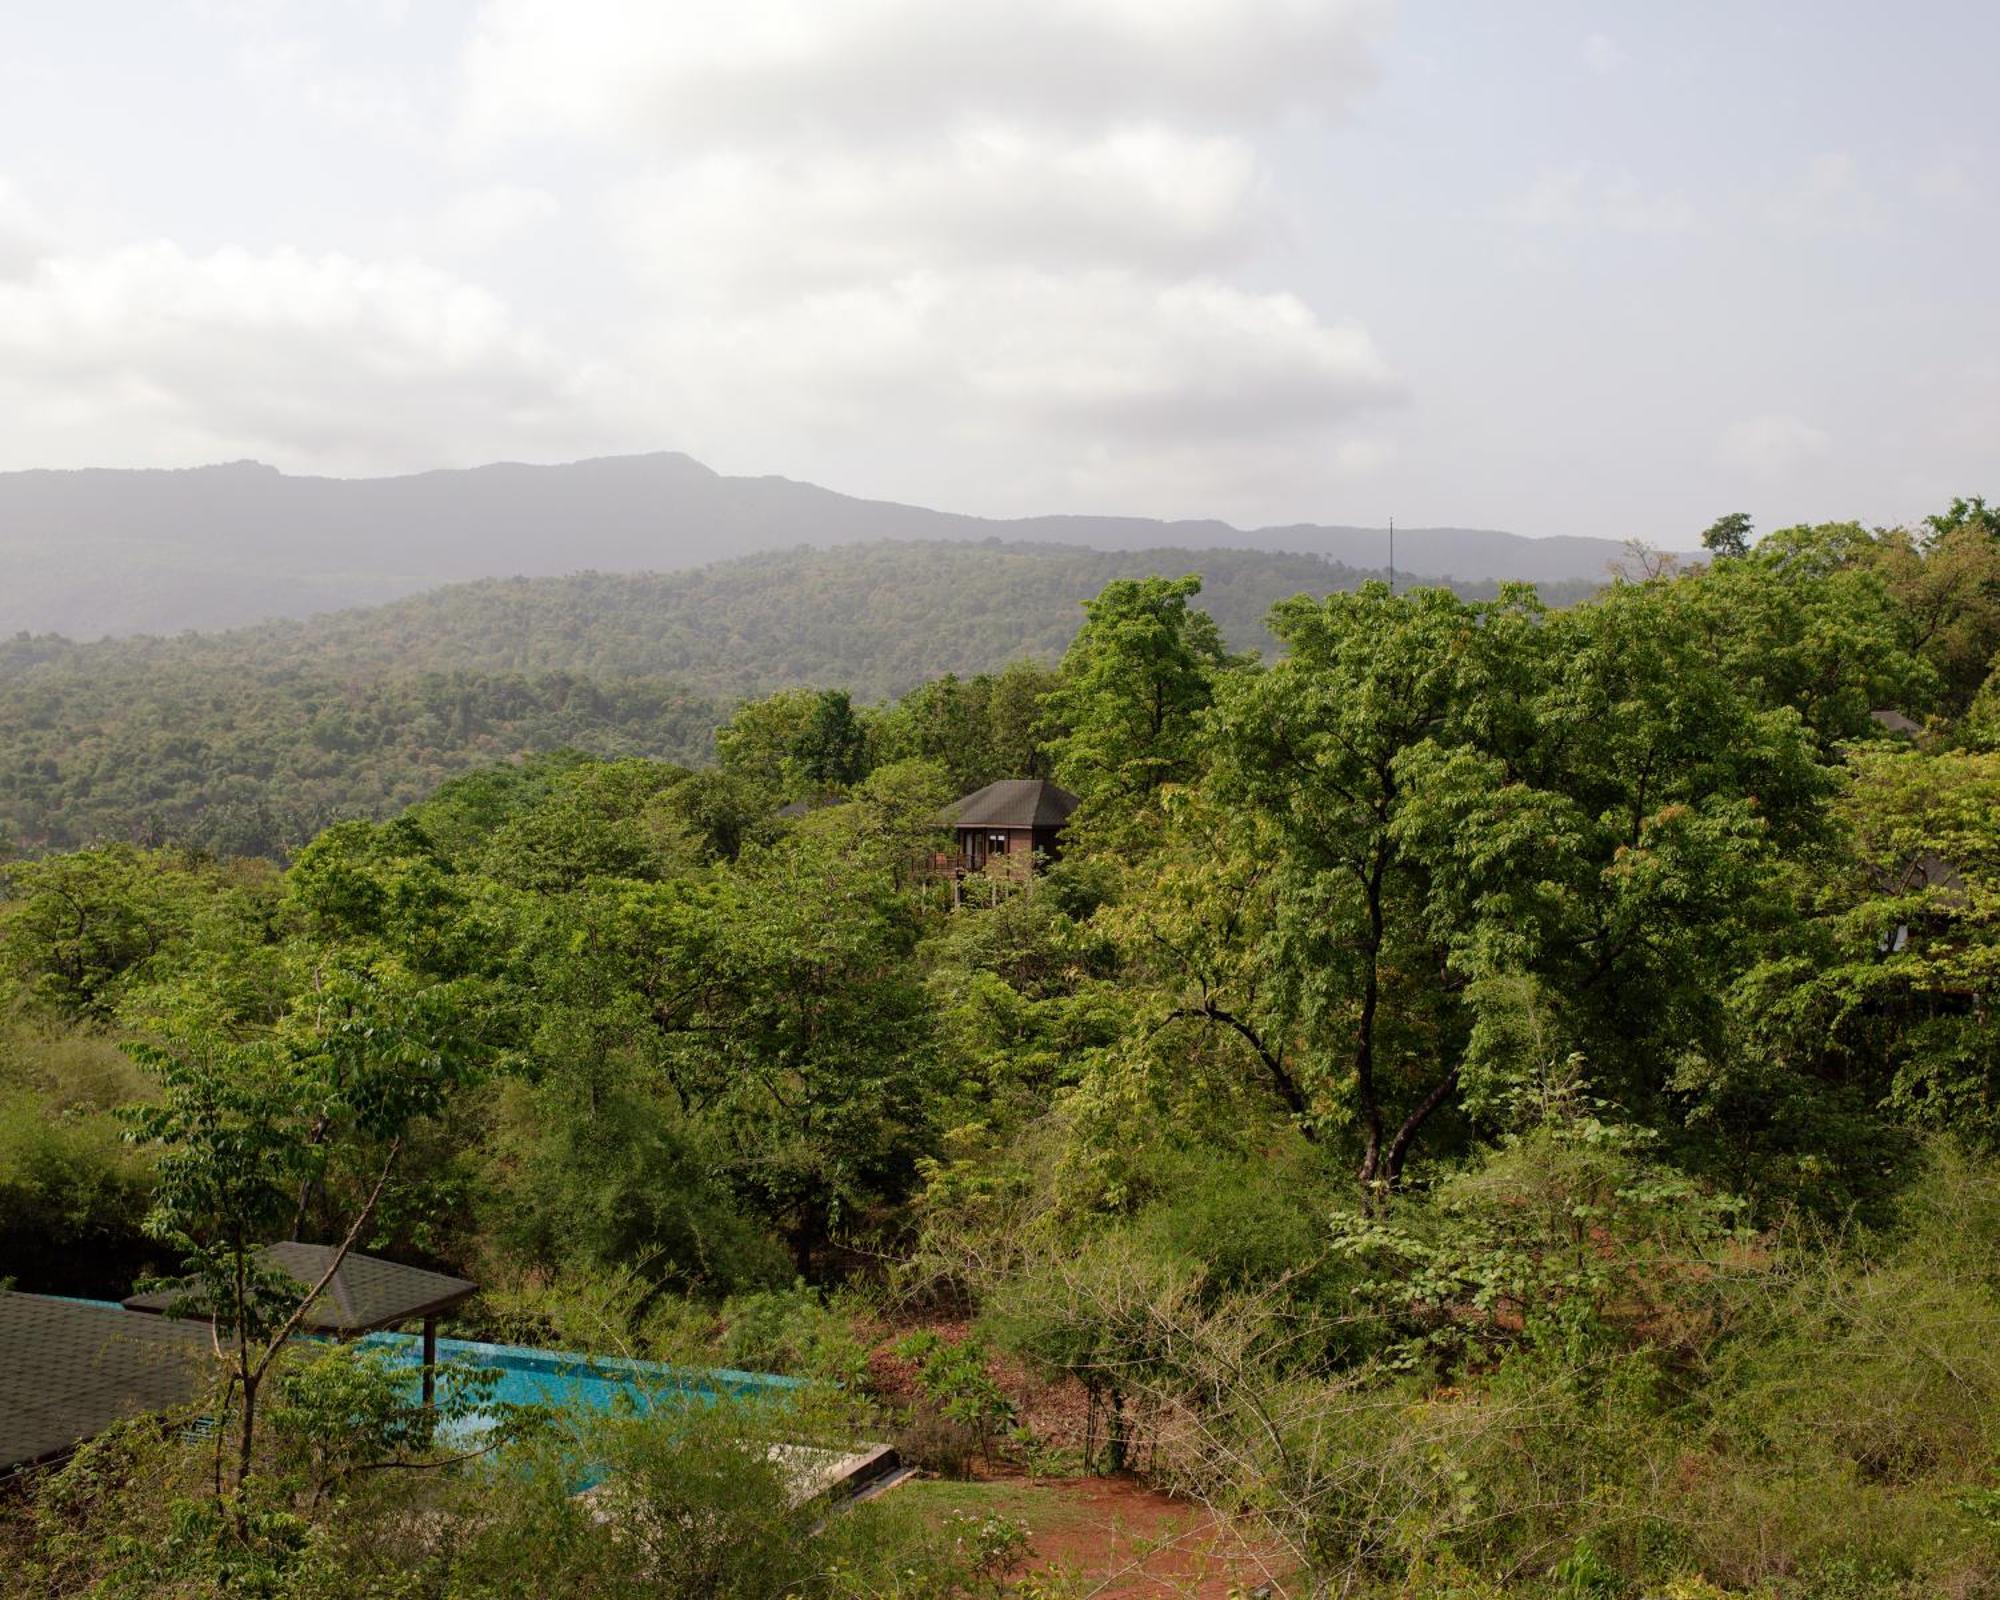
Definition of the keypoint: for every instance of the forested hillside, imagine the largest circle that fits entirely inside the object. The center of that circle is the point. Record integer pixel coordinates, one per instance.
(248, 742)
(1494, 1103)
(94, 553)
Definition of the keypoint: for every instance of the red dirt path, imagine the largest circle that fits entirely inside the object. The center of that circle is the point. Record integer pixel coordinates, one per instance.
(1128, 1542)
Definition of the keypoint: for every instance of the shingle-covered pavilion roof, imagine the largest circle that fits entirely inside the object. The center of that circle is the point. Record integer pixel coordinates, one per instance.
(1012, 803)
(366, 1293)
(69, 1369)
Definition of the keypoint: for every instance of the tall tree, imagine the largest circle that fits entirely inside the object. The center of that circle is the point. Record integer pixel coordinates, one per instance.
(1316, 751)
(1134, 683)
(1947, 584)
(831, 750)
(1728, 535)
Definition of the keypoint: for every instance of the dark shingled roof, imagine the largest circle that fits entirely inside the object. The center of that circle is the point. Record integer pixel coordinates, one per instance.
(68, 1370)
(366, 1293)
(1013, 803)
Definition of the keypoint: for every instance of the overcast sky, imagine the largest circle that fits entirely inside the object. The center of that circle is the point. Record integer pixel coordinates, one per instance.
(1558, 267)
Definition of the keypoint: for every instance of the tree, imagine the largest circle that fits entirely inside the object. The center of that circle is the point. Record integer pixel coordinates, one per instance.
(775, 1001)
(1888, 991)
(979, 728)
(1948, 587)
(242, 1131)
(1971, 513)
(1314, 750)
(1807, 620)
(80, 927)
(1470, 840)
(1608, 853)
(599, 819)
(760, 741)
(1134, 682)
(1728, 536)
(831, 750)
(268, 1132)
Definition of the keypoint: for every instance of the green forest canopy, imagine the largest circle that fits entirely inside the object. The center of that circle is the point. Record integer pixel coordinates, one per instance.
(1503, 1097)
(249, 742)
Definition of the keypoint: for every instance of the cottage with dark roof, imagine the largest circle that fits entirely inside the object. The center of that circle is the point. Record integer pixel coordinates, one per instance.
(1003, 828)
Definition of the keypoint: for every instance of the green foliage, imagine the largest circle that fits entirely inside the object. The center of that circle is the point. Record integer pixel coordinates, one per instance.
(1808, 621)
(981, 728)
(250, 742)
(1881, 1001)
(73, 1192)
(80, 927)
(1728, 535)
(832, 748)
(1134, 681)
(1501, 1097)
(794, 1330)
(694, 1506)
(1574, 1233)
(596, 1171)
(251, 757)
(758, 744)
(952, 1376)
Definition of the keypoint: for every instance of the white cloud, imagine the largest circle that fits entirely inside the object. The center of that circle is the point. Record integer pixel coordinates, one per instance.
(24, 233)
(149, 354)
(1007, 243)
(735, 224)
(1772, 446)
(1603, 55)
(480, 219)
(1003, 233)
(734, 71)
(291, 70)
(1080, 358)
(1575, 197)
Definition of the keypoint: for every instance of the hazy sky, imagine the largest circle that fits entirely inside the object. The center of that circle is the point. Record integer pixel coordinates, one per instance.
(1559, 267)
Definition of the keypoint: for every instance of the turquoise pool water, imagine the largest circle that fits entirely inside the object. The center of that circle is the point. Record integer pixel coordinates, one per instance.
(581, 1382)
(572, 1385)
(567, 1382)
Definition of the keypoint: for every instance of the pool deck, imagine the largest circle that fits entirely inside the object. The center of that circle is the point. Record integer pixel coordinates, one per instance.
(833, 1475)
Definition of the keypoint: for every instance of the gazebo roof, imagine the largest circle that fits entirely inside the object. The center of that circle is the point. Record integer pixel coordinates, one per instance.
(70, 1368)
(365, 1294)
(1012, 803)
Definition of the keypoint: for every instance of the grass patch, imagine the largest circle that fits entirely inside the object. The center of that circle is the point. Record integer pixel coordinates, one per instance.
(1043, 1507)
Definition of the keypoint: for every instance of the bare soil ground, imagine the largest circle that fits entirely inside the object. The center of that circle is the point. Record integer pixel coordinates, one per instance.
(1113, 1538)
(1107, 1538)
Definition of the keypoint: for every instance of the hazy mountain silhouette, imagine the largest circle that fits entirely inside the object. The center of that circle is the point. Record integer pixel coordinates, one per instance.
(106, 551)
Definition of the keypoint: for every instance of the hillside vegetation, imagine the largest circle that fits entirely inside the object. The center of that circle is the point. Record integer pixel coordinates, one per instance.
(95, 553)
(1496, 1102)
(248, 742)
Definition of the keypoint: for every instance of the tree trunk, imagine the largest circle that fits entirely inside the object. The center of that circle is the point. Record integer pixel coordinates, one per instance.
(1364, 1044)
(246, 1437)
(1117, 1445)
(1399, 1147)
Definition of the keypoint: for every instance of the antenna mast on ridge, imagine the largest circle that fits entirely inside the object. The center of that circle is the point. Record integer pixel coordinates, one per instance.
(1392, 555)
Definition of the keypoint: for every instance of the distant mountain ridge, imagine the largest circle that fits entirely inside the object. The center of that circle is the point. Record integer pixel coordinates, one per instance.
(107, 551)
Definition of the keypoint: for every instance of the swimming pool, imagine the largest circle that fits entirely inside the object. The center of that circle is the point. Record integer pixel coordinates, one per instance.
(576, 1385)
(567, 1382)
